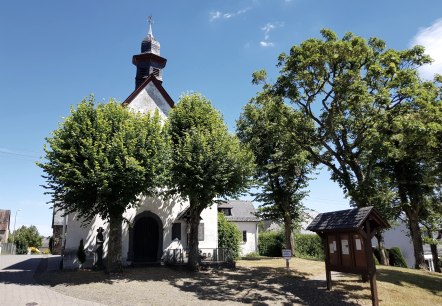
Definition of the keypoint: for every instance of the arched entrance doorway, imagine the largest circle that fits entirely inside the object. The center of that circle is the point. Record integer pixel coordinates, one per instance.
(146, 238)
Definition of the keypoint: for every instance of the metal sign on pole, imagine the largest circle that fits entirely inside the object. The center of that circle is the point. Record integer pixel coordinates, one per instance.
(287, 255)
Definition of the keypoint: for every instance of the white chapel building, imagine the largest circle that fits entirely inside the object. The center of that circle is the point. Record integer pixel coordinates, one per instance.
(156, 225)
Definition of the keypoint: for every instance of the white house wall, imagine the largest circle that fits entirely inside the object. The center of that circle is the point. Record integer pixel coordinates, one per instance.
(167, 211)
(251, 245)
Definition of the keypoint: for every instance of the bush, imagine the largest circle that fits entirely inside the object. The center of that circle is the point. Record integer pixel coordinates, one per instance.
(309, 246)
(34, 250)
(81, 254)
(270, 243)
(396, 258)
(229, 236)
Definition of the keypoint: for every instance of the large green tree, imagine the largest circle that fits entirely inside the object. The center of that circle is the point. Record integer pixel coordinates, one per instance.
(207, 162)
(348, 87)
(412, 134)
(273, 132)
(26, 237)
(100, 160)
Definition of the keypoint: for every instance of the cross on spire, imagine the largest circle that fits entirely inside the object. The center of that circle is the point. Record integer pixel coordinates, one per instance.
(149, 33)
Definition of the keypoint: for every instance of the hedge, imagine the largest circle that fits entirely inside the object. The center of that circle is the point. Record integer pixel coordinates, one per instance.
(306, 245)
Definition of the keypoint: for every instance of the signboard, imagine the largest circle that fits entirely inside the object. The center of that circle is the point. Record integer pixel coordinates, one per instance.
(286, 253)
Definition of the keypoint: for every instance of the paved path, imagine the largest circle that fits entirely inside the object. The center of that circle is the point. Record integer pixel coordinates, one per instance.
(18, 287)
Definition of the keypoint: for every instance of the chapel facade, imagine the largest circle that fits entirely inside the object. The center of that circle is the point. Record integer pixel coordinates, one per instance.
(156, 225)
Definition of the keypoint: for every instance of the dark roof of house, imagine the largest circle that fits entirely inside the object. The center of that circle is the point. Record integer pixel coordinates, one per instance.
(242, 211)
(5, 217)
(350, 219)
(157, 83)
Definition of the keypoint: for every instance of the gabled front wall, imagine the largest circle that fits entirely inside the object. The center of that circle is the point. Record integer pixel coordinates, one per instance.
(149, 99)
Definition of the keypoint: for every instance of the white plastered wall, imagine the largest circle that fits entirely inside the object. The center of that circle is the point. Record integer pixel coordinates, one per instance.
(251, 245)
(167, 211)
(149, 99)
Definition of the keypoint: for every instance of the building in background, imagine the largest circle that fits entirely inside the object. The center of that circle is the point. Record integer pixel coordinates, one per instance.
(5, 220)
(242, 213)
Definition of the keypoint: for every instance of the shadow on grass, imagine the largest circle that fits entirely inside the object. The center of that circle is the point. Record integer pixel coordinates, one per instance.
(431, 283)
(257, 286)
(260, 286)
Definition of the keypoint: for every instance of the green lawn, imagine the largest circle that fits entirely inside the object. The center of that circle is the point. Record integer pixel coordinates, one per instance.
(396, 286)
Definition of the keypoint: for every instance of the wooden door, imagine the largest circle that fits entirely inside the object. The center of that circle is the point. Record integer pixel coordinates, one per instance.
(146, 233)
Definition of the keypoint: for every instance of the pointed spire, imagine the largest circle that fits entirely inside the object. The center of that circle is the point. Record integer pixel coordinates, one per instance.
(149, 33)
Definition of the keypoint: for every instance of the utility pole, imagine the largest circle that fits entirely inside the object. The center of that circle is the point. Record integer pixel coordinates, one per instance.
(13, 236)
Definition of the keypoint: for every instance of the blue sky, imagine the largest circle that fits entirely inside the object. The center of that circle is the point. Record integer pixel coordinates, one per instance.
(55, 53)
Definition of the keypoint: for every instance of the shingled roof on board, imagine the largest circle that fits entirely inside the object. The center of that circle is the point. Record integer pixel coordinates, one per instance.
(344, 220)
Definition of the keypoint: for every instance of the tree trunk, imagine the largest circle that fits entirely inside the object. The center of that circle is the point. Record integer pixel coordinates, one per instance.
(194, 254)
(114, 246)
(434, 253)
(288, 234)
(381, 245)
(416, 237)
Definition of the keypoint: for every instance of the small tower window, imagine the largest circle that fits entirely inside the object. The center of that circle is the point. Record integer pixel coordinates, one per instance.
(156, 72)
(143, 71)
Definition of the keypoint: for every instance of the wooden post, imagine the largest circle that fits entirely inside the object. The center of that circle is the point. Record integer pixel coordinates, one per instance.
(287, 265)
(327, 262)
(374, 289)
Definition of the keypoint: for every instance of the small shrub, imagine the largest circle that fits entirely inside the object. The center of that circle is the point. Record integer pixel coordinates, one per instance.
(270, 243)
(376, 261)
(396, 258)
(81, 254)
(309, 246)
(229, 236)
(34, 250)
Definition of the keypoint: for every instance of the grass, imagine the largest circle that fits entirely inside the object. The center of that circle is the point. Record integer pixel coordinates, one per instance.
(396, 286)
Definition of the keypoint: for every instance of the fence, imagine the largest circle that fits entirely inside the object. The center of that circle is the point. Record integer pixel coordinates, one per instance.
(7, 248)
(180, 256)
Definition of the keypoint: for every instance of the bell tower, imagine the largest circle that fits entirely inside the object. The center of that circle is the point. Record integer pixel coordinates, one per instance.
(149, 61)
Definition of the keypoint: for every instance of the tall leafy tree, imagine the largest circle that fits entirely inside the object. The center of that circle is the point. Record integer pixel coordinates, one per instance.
(269, 127)
(207, 161)
(26, 237)
(347, 87)
(412, 136)
(100, 160)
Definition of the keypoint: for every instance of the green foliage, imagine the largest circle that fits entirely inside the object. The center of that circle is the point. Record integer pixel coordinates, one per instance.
(100, 160)
(271, 243)
(207, 161)
(26, 237)
(376, 260)
(81, 254)
(229, 236)
(309, 246)
(378, 124)
(377, 254)
(396, 258)
(348, 86)
(273, 131)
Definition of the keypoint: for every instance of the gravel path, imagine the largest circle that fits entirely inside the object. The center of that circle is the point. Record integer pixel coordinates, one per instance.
(166, 286)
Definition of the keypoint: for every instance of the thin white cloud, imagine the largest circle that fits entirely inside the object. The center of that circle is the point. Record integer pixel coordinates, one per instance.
(214, 15)
(431, 39)
(270, 26)
(266, 44)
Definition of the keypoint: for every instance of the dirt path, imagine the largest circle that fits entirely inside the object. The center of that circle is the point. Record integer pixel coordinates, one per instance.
(166, 286)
